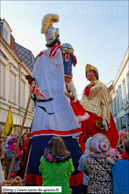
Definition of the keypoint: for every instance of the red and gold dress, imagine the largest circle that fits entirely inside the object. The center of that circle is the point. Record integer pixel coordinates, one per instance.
(96, 100)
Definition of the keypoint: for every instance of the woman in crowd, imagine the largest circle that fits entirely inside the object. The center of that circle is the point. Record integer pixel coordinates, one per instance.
(120, 172)
(56, 165)
(96, 100)
(122, 137)
(98, 164)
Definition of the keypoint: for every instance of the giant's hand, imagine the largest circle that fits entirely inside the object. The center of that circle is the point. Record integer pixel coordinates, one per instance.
(37, 92)
(105, 124)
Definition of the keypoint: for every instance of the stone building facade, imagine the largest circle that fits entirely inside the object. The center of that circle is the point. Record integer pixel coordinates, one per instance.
(15, 63)
(120, 95)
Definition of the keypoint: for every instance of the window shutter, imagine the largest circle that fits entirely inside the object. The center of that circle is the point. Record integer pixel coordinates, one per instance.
(115, 106)
(12, 86)
(22, 94)
(120, 123)
(2, 80)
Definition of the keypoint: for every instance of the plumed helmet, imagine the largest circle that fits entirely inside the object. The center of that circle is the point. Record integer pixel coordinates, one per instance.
(66, 47)
(47, 27)
(99, 143)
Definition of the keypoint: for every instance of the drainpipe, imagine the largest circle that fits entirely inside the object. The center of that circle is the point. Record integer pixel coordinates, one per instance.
(19, 93)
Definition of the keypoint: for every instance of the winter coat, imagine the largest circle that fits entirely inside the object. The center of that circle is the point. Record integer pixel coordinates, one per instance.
(100, 174)
(57, 174)
(120, 173)
(10, 154)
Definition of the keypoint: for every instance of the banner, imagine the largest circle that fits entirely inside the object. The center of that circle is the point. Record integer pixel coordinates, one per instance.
(8, 127)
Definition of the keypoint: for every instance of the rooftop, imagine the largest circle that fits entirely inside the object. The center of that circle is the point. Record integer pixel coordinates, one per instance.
(25, 55)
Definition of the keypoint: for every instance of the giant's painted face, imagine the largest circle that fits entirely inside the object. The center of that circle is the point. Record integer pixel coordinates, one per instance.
(90, 75)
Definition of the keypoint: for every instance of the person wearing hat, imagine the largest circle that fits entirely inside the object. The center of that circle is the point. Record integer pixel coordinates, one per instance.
(49, 71)
(10, 152)
(98, 164)
(96, 101)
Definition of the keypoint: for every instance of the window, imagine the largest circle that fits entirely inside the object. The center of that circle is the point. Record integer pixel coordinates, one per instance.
(5, 34)
(117, 101)
(22, 98)
(2, 80)
(12, 88)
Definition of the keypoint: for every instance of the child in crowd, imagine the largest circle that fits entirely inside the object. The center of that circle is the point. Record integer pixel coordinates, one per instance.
(122, 137)
(98, 164)
(56, 165)
(120, 172)
(10, 152)
(81, 164)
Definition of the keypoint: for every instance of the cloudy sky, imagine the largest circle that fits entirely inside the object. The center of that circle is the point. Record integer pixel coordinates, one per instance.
(97, 30)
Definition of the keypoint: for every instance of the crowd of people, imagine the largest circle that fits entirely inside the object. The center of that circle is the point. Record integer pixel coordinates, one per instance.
(106, 169)
(7, 148)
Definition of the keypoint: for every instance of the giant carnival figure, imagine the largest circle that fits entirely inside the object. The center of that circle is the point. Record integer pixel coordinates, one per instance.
(69, 60)
(49, 71)
(96, 100)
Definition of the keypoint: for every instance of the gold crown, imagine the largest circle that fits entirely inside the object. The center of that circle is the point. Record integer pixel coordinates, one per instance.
(90, 67)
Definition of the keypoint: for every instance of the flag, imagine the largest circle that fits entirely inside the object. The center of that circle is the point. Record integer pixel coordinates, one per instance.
(8, 127)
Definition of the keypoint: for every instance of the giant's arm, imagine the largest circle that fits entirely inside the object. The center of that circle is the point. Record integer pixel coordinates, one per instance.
(105, 102)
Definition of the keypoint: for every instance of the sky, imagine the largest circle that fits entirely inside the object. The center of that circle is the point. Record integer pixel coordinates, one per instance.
(97, 30)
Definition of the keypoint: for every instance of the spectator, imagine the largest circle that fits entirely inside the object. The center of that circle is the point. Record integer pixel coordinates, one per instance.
(12, 182)
(24, 147)
(122, 137)
(56, 165)
(3, 158)
(120, 172)
(6, 143)
(23, 138)
(10, 152)
(81, 164)
(98, 164)
(27, 131)
(12, 135)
